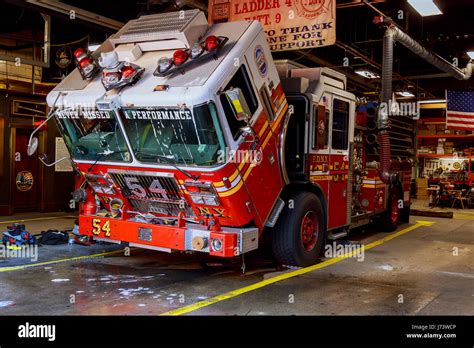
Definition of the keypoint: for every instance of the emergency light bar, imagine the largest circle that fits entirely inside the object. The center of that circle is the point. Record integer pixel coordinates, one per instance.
(85, 63)
(116, 74)
(185, 58)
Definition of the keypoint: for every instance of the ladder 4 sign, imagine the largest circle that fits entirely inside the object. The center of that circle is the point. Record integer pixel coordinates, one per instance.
(288, 24)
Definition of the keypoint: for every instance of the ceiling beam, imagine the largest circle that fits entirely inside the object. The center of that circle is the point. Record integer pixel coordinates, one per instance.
(58, 7)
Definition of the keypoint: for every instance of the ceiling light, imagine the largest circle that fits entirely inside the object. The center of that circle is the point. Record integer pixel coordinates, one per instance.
(367, 74)
(406, 94)
(470, 54)
(425, 7)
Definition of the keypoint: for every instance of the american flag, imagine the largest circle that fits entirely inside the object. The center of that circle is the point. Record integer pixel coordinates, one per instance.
(460, 110)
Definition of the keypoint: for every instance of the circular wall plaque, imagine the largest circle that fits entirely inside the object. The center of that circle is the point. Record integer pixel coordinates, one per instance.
(24, 181)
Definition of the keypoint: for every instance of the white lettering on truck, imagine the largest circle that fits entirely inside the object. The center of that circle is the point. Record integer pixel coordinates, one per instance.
(158, 114)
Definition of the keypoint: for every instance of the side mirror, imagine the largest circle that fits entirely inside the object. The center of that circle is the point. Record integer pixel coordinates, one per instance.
(248, 134)
(32, 146)
(238, 104)
(33, 142)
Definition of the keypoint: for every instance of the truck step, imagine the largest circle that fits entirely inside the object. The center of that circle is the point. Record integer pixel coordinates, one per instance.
(277, 209)
(337, 235)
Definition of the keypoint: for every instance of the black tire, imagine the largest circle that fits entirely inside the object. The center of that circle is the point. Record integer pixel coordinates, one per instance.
(287, 237)
(388, 220)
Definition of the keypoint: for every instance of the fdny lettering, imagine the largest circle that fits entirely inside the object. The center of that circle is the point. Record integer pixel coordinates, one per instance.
(87, 114)
(163, 114)
(322, 158)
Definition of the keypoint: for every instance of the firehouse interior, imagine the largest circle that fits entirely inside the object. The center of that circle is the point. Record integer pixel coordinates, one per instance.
(158, 154)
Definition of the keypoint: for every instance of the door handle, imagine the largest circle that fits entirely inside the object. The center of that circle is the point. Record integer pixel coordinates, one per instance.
(271, 158)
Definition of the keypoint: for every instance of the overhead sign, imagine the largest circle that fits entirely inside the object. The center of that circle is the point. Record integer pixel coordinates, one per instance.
(288, 24)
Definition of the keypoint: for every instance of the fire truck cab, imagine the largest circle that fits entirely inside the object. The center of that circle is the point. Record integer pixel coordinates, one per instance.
(190, 137)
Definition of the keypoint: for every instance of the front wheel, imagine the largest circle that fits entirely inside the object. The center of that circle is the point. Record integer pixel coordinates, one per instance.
(299, 235)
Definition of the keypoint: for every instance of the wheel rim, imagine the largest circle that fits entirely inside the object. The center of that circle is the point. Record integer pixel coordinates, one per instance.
(309, 231)
(395, 210)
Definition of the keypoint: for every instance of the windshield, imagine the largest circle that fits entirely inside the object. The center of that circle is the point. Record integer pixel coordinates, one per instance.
(92, 135)
(175, 135)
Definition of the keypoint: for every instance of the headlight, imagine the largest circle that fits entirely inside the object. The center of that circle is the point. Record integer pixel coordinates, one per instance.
(202, 193)
(206, 200)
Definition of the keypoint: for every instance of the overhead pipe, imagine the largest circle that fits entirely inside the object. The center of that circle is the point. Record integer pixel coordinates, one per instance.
(430, 57)
(393, 34)
(382, 122)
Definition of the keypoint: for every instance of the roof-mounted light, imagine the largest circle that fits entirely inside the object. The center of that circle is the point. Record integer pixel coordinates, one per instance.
(180, 57)
(201, 50)
(85, 63)
(197, 50)
(211, 43)
(116, 74)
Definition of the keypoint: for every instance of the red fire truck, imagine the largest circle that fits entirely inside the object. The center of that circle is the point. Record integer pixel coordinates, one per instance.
(190, 137)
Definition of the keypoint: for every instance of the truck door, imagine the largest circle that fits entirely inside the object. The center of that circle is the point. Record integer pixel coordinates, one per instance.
(259, 166)
(296, 135)
(339, 189)
(272, 110)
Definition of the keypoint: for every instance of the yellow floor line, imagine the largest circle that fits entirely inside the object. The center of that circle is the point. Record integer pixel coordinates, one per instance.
(17, 268)
(292, 274)
(464, 212)
(458, 216)
(38, 219)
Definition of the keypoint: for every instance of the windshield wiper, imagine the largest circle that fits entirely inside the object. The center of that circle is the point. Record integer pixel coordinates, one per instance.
(103, 155)
(167, 160)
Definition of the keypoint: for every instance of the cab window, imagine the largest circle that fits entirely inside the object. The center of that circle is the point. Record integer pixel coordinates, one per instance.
(320, 128)
(340, 124)
(241, 80)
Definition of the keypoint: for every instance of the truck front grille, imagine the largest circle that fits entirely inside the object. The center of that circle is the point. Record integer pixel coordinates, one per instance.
(170, 209)
(151, 192)
(147, 186)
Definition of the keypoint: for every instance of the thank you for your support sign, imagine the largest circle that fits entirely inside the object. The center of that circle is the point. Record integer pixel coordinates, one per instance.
(289, 24)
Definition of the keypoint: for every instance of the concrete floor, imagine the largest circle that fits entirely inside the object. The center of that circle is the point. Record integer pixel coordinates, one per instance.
(414, 273)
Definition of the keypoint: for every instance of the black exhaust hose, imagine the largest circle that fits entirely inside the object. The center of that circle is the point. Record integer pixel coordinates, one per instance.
(383, 124)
